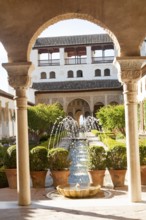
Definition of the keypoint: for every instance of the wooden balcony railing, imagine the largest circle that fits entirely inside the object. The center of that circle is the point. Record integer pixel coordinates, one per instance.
(75, 61)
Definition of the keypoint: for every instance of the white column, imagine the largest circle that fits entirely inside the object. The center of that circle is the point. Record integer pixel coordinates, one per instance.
(105, 99)
(89, 56)
(130, 73)
(19, 79)
(141, 115)
(62, 61)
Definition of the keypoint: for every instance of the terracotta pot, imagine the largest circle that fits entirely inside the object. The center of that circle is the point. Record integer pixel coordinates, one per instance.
(143, 175)
(38, 178)
(118, 177)
(96, 177)
(60, 177)
(12, 178)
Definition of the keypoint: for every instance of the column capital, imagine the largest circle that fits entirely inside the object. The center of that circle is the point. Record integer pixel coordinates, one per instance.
(18, 74)
(130, 68)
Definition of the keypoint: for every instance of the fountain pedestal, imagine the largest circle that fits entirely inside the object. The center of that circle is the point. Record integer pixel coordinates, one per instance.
(78, 191)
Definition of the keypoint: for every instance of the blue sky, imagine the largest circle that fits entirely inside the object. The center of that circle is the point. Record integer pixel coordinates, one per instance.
(62, 28)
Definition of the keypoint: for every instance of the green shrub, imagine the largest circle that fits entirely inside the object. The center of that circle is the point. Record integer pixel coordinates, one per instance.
(10, 157)
(117, 158)
(38, 158)
(2, 155)
(58, 159)
(44, 137)
(97, 158)
(3, 178)
(110, 143)
(44, 144)
(142, 153)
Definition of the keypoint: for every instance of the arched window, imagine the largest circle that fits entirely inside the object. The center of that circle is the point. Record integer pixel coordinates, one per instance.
(107, 72)
(79, 73)
(97, 72)
(70, 74)
(43, 75)
(52, 75)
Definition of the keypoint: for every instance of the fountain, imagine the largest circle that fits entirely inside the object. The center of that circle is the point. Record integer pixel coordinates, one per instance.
(79, 184)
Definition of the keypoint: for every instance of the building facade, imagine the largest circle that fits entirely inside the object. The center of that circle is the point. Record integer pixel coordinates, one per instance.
(76, 71)
(7, 115)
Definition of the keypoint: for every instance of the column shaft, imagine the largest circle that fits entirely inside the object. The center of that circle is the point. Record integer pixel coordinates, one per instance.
(129, 74)
(19, 79)
(23, 175)
(134, 186)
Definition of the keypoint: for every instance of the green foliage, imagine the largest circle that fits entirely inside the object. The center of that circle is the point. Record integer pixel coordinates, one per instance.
(58, 159)
(2, 155)
(142, 153)
(41, 118)
(44, 144)
(97, 158)
(117, 158)
(142, 142)
(38, 158)
(112, 118)
(3, 178)
(10, 157)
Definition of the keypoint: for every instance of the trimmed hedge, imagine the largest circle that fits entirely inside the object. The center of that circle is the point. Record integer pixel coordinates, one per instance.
(38, 158)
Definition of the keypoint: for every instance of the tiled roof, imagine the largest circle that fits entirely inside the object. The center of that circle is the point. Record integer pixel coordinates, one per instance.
(72, 40)
(77, 85)
(6, 94)
(10, 96)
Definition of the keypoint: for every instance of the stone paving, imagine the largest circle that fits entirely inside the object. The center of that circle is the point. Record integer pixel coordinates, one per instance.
(115, 206)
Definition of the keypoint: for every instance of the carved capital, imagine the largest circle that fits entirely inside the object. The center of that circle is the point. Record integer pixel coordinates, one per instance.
(18, 74)
(130, 68)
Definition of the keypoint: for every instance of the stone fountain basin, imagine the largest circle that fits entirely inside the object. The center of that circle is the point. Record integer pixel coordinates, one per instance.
(78, 192)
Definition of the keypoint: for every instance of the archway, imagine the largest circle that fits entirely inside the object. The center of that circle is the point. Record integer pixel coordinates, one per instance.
(63, 17)
(97, 106)
(73, 15)
(77, 108)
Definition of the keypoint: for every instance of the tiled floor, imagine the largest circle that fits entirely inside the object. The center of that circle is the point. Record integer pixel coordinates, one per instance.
(114, 206)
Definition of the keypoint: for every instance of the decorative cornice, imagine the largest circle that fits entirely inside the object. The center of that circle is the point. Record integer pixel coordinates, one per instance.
(130, 68)
(18, 74)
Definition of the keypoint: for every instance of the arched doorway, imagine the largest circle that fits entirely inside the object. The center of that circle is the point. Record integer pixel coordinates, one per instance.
(97, 106)
(78, 107)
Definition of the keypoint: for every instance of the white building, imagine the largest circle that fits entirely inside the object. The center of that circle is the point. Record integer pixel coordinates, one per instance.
(7, 115)
(76, 71)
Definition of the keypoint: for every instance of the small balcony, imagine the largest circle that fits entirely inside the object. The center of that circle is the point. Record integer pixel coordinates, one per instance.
(107, 59)
(53, 62)
(75, 61)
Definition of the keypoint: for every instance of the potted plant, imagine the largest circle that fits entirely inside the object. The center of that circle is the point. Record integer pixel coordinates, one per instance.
(142, 154)
(38, 166)
(96, 164)
(59, 163)
(3, 178)
(10, 166)
(117, 164)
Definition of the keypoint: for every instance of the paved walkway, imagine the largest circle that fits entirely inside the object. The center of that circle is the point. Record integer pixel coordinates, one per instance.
(114, 206)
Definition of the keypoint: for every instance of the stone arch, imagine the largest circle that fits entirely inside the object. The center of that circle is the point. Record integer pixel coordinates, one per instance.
(67, 16)
(78, 107)
(97, 106)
